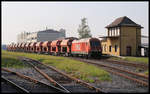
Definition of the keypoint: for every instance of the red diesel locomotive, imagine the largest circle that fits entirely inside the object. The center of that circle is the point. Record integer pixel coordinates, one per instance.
(89, 47)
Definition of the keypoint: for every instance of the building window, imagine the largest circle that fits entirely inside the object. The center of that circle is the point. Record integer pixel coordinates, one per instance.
(110, 31)
(116, 48)
(118, 31)
(115, 31)
(109, 48)
(105, 47)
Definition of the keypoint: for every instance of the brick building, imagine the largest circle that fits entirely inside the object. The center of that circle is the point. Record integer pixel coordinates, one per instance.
(123, 39)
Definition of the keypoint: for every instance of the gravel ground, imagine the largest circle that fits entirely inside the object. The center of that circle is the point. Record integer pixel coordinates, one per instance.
(6, 88)
(28, 85)
(121, 85)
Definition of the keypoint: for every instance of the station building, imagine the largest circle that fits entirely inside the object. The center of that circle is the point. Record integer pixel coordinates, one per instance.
(123, 38)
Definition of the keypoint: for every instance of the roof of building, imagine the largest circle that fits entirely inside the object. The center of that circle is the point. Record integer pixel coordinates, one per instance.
(48, 31)
(123, 21)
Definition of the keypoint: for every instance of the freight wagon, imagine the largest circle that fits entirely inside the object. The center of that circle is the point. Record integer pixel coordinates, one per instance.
(88, 47)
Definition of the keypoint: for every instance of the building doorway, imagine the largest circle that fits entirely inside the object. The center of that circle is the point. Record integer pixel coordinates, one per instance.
(128, 51)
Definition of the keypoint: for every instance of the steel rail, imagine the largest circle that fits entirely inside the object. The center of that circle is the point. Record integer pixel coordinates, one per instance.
(144, 66)
(67, 75)
(49, 78)
(19, 88)
(33, 80)
(129, 72)
(125, 76)
(131, 78)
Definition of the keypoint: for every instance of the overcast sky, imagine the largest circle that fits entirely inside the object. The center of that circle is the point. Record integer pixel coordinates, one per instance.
(33, 16)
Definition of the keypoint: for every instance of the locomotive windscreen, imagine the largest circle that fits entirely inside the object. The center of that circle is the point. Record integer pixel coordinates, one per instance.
(94, 43)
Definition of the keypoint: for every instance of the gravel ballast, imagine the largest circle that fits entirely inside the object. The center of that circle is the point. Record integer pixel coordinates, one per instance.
(29, 85)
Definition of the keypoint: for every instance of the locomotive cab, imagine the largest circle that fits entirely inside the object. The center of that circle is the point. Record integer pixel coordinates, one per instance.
(95, 48)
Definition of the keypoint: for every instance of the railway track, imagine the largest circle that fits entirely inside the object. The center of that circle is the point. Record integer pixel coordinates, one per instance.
(55, 83)
(17, 88)
(30, 84)
(64, 79)
(125, 63)
(141, 79)
(143, 66)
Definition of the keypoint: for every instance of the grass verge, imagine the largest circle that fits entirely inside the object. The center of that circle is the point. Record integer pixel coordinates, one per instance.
(12, 61)
(143, 60)
(75, 68)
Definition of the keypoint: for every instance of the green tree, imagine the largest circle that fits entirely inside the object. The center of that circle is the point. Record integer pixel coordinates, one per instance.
(84, 30)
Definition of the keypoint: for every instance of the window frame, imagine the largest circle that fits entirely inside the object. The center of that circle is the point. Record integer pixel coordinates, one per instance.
(116, 48)
(110, 48)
